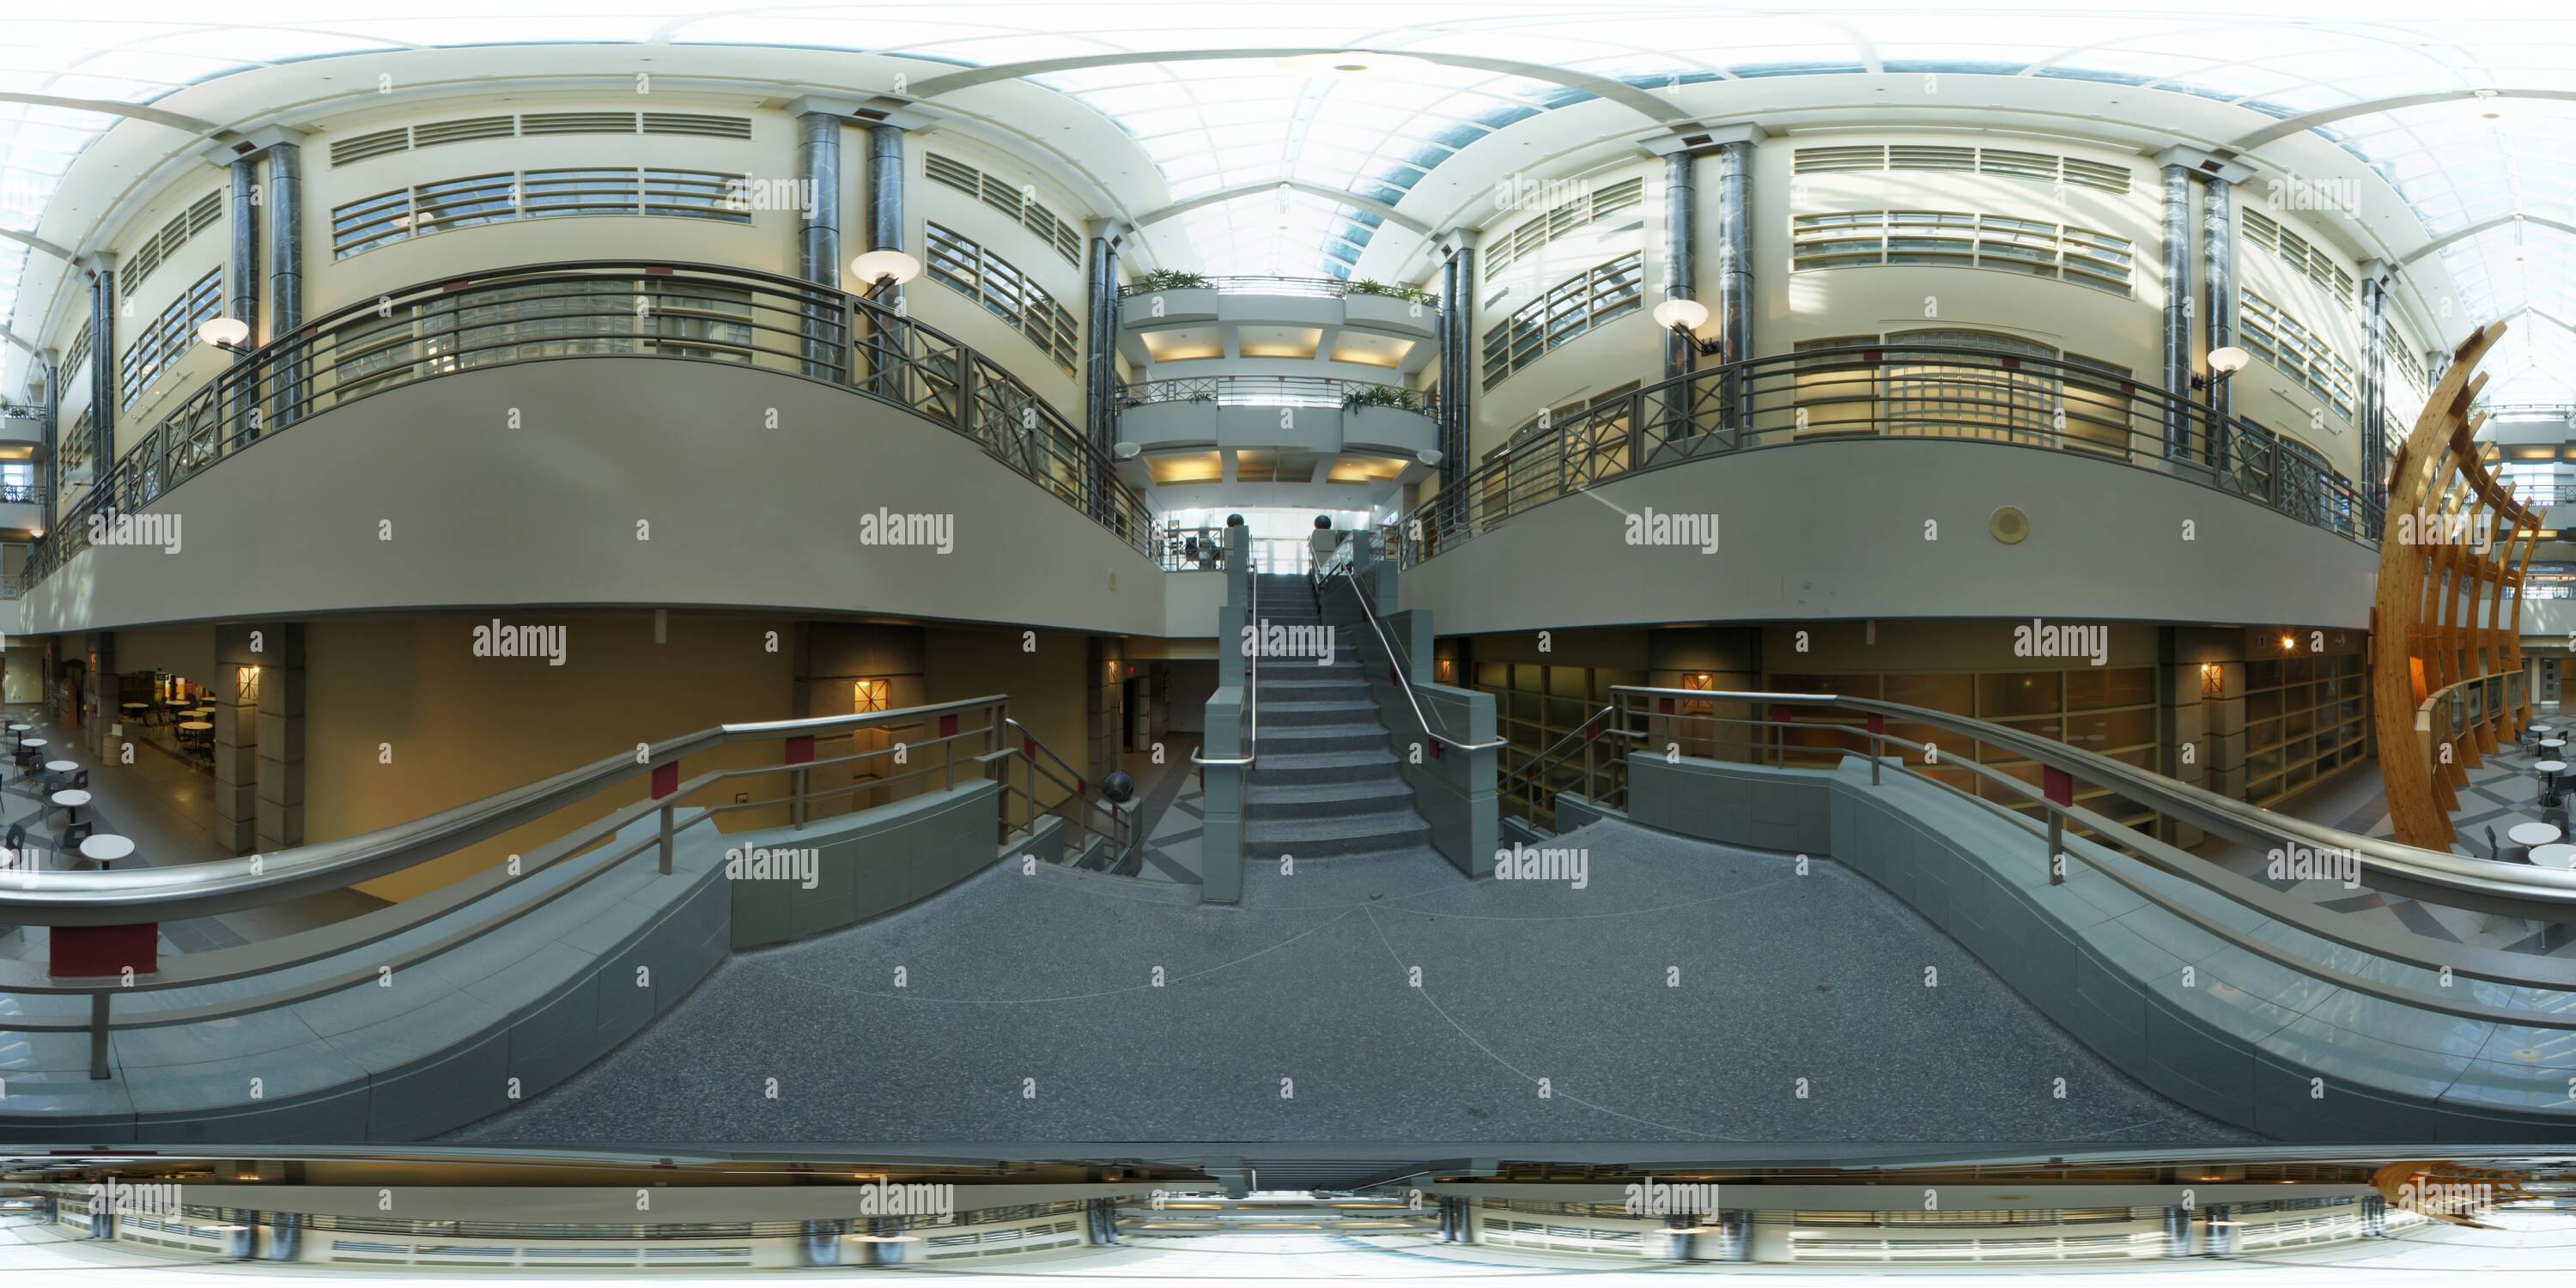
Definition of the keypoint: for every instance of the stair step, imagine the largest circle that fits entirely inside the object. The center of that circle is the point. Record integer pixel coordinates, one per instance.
(1335, 836)
(1266, 801)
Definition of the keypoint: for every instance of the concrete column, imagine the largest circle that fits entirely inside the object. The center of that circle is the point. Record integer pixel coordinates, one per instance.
(2204, 711)
(102, 364)
(1104, 704)
(286, 275)
(2218, 316)
(280, 746)
(236, 737)
(1681, 259)
(99, 697)
(2178, 309)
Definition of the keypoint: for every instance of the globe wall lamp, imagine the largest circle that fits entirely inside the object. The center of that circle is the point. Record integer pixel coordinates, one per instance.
(224, 333)
(1685, 318)
(885, 267)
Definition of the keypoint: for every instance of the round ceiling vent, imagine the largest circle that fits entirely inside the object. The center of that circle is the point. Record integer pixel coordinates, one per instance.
(2008, 524)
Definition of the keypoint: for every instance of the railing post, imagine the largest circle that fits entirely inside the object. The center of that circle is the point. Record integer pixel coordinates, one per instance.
(1877, 748)
(2060, 788)
(666, 782)
(800, 752)
(97, 1034)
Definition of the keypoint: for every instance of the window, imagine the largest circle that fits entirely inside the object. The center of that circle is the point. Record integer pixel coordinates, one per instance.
(418, 211)
(140, 262)
(991, 281)
(1956, 239)
(2041, 167)
(161, 341)
(2299, 353)
(1050, 227)
(404, 138)
(2409, 366)
(77, 354)
(1526, 238)
(1572, 307)
(2301, 254)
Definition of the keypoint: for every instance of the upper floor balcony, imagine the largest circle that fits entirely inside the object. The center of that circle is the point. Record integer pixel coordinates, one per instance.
(619, 432)
(22, 432)
(1311, 413)
(1185, 317)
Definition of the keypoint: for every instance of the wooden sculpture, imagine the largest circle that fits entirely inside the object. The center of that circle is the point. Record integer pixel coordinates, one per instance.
(2443, 619)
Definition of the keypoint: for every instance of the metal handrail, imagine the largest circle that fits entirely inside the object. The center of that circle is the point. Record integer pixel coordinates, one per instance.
(1341, 563)
(1531, 769)
(154, 895)
(1077, 789)
(2490, 965)
(2545, 893)
(672, 310)
(1949, 392)
(1252, 683)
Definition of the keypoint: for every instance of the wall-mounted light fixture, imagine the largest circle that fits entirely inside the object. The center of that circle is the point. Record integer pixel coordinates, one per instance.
(2213, 680)
(246, 683)
(223, 333)
(2223, 362)
(1685, 318)
(884, 267)
(868, 695)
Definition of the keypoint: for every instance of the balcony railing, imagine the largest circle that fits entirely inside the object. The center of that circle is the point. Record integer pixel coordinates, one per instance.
(22, 494)
(1271, 391)
(609, 308)
(1326, 288)
(1887, 391)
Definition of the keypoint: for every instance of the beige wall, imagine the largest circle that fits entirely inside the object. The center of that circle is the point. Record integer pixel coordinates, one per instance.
(462, 727)
(1046, 687)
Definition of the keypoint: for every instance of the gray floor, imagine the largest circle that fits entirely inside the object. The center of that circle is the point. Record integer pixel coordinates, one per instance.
(1028, 1011)
(166, 807)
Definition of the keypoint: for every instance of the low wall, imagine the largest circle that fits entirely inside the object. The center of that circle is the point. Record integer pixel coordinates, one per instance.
(2213, 1027)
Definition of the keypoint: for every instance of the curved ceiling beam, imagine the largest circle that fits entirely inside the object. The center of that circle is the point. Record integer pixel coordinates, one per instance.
(1616, 91)
(12, 337)
(2500, 221)
(1374, 207)
(2287, 126)
(110, 107)
(38, 243)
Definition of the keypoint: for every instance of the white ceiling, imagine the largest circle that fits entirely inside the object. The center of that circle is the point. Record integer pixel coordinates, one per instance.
(1209, 124)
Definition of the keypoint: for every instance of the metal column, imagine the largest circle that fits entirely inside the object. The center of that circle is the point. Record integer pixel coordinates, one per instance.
(241, 281)
(2178, 307)
(1735, 272)
(821, 1245)
(2218, 257)
(2218, 1230)
(286, 276)
(102, 366)
(1100, 363)
(1453, 297)
(1458, 326)
(2374, 401)
(53, 471)
(818, 239)
(885, 232)
(1681, 259)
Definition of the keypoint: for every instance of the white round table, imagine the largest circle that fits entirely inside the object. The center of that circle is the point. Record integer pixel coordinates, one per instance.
(34, 742)
(2532, 834)
(2553, 744)
(106, 849)
(70, 798)
(62, 766)
(2554, 856)
(2551, 766)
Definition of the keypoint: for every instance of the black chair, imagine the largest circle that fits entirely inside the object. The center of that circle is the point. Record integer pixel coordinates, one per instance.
(73, 835)
(80, 779)
(2494, 850)
(15, 839)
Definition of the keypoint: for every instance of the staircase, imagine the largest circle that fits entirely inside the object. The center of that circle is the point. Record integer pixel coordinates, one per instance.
(1324, 784)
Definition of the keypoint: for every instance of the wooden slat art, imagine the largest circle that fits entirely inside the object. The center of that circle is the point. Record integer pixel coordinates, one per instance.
(2443, 617)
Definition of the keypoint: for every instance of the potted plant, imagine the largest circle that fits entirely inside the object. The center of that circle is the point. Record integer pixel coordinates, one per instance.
(1382, 396)
(1169, 279)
